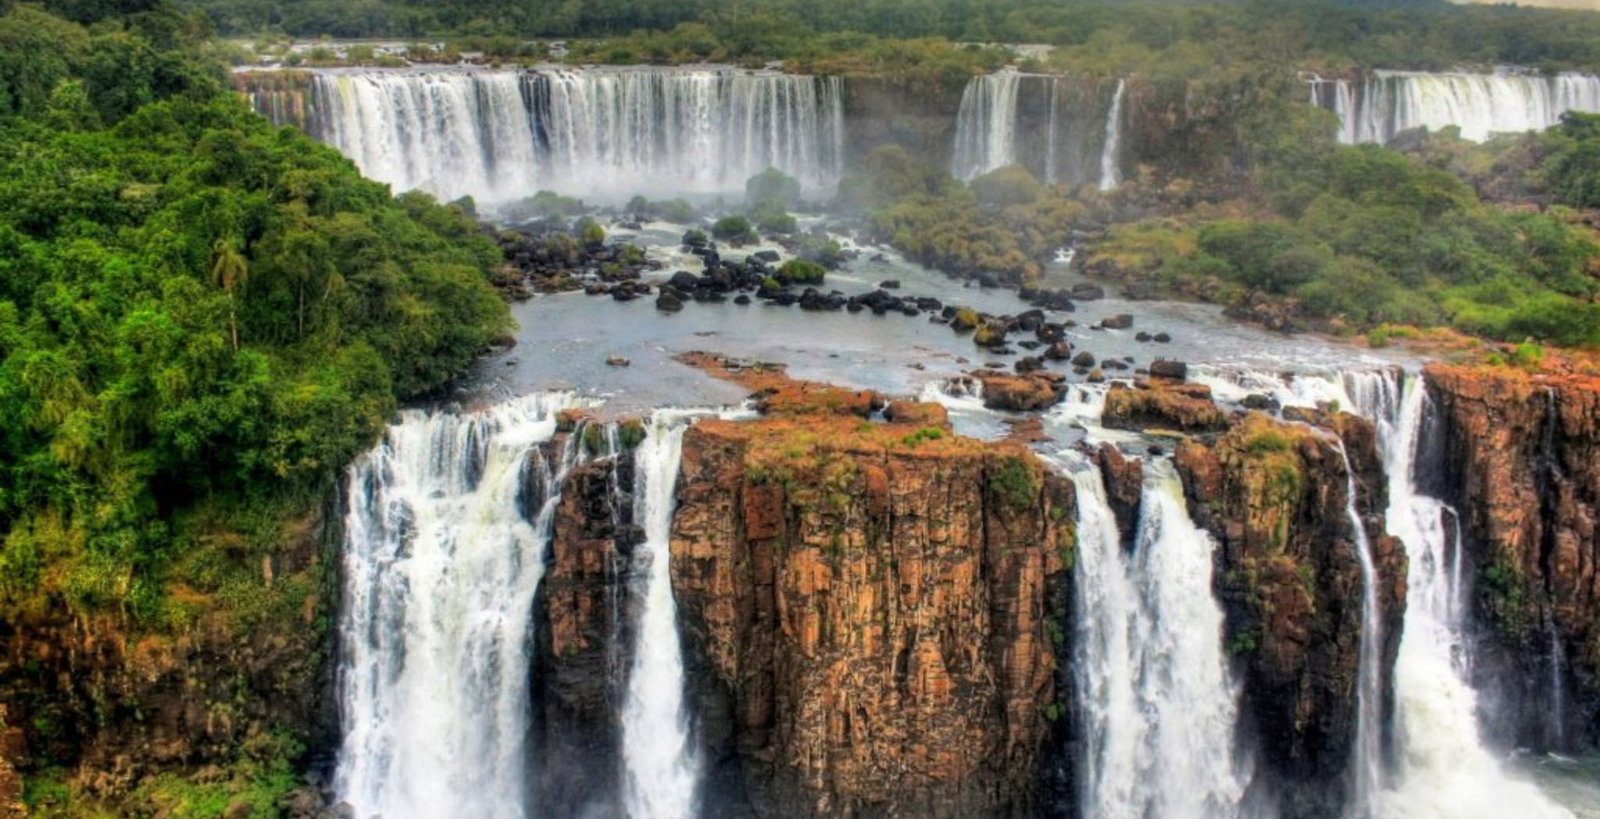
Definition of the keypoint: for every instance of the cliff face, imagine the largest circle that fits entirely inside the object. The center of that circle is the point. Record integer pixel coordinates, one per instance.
(231, 692)
(871, 610)
(1289, 578)
(581, 609)
(1519, 458)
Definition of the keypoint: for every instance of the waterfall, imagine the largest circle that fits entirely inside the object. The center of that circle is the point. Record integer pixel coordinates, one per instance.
(1367, 761)
(607, 132)
(1111, 156)
(1051, 129)
(659, 760)
(986, 125)
(445, 531)
(1387, 102)
(1446, 770)
(1158, 707)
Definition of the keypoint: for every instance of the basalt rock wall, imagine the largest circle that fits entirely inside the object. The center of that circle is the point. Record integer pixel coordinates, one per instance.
(1289, 577)
(873, 617)
(1519, 458)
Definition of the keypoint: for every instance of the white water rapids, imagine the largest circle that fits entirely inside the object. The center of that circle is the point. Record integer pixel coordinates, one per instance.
(447, 524)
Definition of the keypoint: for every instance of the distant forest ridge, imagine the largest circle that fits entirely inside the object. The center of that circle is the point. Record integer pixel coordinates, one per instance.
(1110, 33)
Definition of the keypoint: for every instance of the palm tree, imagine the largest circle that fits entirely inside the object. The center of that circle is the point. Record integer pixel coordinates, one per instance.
(229, 271)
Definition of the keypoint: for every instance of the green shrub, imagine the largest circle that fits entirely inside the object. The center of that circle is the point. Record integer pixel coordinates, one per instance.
(735, 229)
(800, 271)
(772, 188)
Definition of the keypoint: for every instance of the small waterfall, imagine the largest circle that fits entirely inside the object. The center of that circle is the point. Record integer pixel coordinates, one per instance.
(661, 769)
(1052, 128)
(1558, 686)
(1387, 102)
(1367, 761)
(1111, 156)
(445, 532)
(986, 125)
(1446, 770)
(1158, 705)
(502, 135)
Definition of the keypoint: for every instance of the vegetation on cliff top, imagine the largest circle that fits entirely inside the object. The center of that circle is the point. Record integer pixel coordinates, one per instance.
(202, 319)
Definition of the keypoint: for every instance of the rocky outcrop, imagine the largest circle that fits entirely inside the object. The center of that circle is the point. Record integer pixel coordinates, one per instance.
(226, 684)
(1519, 458)
(1289, 578)
(871, 611)
(1162, 405)
(582, 609)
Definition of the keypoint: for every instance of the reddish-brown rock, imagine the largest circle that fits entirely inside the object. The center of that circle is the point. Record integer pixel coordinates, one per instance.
(1162, 405)
(1519, 458)
(1289, 578)
(872, 616)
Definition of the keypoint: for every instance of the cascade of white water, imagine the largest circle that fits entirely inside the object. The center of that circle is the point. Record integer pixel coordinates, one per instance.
(500, 135)
(1111, 156)
(659, 761)
(1367, 755)
(1157, 704)
(986, 125)
(1446, 769)
(445, 531)
(1054, 125)
(1388, 102)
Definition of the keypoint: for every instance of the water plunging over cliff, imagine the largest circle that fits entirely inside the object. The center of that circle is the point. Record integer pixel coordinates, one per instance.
(1065, 131)
(1367, 762)
(1111, 155)
(659, 760)
(447, 523)
(986, 125)
(1445, 768)
(1158, 706)
(1388, 102)
(499, 135)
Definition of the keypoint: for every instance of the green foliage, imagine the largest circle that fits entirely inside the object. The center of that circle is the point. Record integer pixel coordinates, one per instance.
(1268, 440)
(770, 217)
(923, 434)
(1502, 587)
(735, 229)
(1014, 484)
(1159, 39)
(772, 187)
(195, 308)
(1572, 168)
(589, 232)
(1011, 185)
(669, 210)
(800, 271)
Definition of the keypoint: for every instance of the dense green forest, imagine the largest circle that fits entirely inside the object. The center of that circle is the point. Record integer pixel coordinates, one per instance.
(202, 319)
(1107, 35)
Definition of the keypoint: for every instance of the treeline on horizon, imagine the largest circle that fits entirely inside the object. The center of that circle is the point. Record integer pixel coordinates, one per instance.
(1337, 34)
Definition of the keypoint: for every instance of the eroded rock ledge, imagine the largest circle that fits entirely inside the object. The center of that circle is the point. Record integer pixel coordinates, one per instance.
(871, 609)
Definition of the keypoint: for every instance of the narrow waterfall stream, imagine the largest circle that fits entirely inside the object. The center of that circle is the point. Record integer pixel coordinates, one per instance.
(1367, 756)
(447, 523)
(660, 764)
(1158, 705)
(1111, 156)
